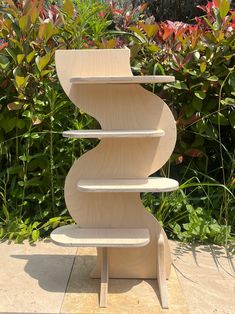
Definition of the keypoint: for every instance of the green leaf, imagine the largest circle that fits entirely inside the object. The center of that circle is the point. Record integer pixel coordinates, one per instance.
(177, 228)
(138, 34)
(35, 235)
(27, 114)
(153, 48)
(211, 132)
(197, 103)
(4, 62)
(231, 80)
(30, 56)
(178, 85)
(5, 212)
(189, 208)
(24, 158)
(34, 13)
(42, 62)
(53, 219)
(15, 169)
(24, 22)
(45, 72)
(186, 226)
(150, 30)
(46, 30)
(20, 81)
(228, 101)
(158, 68)
(218, 22)
(1, 232)
(135, 48)
(220, 119)
(20, 58)
(17, 43)
(224, 6)
(35, 135)
(189, 111)
(8, 124)
(232, 118)
(215, 227)
(200, 94)
(213, 78)
(68, 7)
(20, 124)
(203, 67)
(11, 53)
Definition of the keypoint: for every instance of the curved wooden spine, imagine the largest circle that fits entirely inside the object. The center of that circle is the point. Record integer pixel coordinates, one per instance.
(117, 107)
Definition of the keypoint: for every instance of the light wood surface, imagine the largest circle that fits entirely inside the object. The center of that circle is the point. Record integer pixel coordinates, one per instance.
(72, 235)
(161, 272)
(123, 79)
(104, 278)
(117, 107)
(135, 185)
(112, 133)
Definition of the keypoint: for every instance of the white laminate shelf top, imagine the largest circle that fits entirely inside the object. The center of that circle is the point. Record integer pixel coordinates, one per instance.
(112, 133)
(72, 235)
(152, 184)
(123, 79)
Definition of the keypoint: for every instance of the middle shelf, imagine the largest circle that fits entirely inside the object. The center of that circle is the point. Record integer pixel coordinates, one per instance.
(112, 133)
(152, 184)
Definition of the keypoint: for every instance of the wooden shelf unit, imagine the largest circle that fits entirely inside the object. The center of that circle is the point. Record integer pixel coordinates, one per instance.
(95, 81)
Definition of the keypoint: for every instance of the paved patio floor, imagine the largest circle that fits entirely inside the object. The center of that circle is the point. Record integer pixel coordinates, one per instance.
(37, 279)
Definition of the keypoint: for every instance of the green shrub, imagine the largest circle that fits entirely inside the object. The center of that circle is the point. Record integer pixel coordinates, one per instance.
(201, 57)
(34, 157)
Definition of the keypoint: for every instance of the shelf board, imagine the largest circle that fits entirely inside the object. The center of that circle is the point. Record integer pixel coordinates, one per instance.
(72, 235)
(123, 79)
(112, 133)
(128, 185)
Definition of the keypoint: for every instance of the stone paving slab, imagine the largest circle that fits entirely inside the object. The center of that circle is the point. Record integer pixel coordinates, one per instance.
(125, 296)
(207, 276)
(34, 278)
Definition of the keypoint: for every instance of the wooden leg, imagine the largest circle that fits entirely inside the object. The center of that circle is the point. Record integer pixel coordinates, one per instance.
(104, 277)
(161, 273)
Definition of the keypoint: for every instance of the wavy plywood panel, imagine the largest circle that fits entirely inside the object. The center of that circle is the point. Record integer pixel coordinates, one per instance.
(117, 107)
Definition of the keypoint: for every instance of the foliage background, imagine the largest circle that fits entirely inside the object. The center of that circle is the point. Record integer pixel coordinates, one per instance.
(35, 158)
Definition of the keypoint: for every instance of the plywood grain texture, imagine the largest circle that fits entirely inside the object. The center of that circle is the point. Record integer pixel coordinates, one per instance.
(123, 107)
(72, 235)
(123, 79)
(112, 133)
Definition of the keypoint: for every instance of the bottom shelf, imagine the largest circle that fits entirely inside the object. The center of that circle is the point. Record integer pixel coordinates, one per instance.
(72, 235)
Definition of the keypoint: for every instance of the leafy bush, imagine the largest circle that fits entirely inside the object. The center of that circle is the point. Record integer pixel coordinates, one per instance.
(201, 57)
(34, 110)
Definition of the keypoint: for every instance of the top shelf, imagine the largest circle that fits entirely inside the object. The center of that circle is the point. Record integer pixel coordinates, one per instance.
(123, 79)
